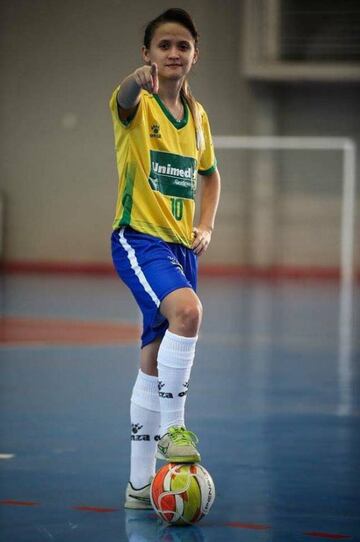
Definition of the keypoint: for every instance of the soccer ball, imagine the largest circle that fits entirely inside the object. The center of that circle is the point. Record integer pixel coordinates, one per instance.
(182, 493)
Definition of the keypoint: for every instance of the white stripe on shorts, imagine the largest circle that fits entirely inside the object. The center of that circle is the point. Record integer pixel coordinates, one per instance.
(136, 267)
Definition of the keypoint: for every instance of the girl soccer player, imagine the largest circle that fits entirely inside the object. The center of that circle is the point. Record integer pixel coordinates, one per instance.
(162, 142)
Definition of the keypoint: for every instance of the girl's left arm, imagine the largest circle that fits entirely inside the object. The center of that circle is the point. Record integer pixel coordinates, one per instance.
(209, 200)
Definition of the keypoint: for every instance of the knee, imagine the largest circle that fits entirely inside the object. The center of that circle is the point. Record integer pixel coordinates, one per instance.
(188, 317)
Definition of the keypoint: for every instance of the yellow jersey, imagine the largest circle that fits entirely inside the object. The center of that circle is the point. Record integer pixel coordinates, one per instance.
(158, 164)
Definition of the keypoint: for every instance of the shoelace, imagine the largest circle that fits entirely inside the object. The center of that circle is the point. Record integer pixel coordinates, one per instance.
(179, 435)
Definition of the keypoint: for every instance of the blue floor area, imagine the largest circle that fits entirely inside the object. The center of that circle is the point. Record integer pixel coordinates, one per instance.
(274, 399)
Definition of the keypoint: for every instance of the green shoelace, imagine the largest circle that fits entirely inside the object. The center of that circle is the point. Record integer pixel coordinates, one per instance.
(180, 435)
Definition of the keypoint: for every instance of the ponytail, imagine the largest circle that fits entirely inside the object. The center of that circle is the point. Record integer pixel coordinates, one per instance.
(186, 93)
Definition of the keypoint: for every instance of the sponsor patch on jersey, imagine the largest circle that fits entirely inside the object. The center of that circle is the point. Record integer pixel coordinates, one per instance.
(172, 174)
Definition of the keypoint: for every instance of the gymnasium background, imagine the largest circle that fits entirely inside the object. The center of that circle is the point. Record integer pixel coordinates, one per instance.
(266, 68)
(276, 377)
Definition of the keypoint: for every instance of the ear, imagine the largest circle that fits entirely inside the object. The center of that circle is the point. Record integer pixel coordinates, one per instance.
(145, 55)
(196, 56)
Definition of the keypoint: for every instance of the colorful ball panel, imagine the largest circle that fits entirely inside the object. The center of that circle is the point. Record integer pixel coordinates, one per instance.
(182, 493)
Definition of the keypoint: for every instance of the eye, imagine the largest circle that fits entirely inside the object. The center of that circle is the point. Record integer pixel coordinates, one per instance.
(164, 45)
(184, 46)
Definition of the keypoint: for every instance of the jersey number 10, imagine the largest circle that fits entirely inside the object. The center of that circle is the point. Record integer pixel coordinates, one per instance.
(177, 206)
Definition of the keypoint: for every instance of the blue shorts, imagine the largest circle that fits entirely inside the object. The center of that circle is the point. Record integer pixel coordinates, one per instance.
(152, 268)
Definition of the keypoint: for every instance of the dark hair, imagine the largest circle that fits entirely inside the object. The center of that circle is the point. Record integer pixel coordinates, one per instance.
(172, 15)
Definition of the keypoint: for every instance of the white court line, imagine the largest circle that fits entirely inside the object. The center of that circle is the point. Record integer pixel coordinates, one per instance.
(7, 456)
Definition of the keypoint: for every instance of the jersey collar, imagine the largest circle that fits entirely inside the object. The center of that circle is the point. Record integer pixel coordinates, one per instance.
(177, 123)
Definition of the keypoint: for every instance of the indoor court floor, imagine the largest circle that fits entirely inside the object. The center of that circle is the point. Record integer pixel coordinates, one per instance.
(274, 399)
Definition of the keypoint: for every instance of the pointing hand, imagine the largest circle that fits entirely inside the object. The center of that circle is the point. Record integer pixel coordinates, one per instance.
(147, 78)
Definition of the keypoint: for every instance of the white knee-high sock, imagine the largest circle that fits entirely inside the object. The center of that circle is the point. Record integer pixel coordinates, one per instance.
(145, 429)
(175, 358)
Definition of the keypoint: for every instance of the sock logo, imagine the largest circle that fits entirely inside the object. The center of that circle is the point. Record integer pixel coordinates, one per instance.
(140, 437)
(135, 427)
(186, 386)
(164, 394)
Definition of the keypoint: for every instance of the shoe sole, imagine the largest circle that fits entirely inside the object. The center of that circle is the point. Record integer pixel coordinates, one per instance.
(137, 505)
(178, 458)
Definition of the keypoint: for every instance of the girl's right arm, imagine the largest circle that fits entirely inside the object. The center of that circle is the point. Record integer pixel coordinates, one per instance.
(128, 96)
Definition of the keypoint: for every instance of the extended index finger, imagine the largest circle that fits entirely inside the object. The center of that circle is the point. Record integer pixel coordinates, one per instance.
(155, 79)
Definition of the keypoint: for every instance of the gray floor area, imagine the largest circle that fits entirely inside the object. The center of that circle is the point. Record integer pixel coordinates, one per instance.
(274, 399)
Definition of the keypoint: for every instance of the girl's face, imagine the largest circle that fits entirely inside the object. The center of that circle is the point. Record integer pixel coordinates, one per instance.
(172, 48)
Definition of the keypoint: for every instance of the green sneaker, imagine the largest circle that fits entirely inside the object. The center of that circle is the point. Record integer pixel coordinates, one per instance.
(138, 499)
(178, 446)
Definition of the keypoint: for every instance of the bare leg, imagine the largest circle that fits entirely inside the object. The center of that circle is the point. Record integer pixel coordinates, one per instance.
(148, 357)
(183, 310)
